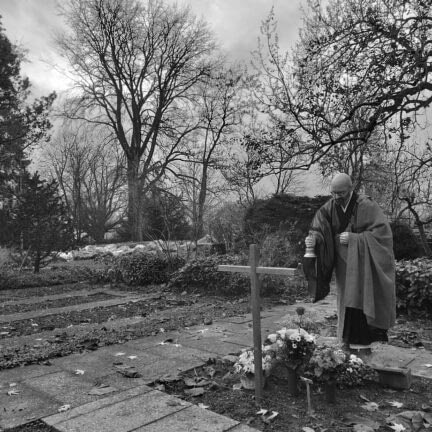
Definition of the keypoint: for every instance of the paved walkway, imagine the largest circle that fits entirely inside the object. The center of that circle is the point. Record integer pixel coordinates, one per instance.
(97, 396)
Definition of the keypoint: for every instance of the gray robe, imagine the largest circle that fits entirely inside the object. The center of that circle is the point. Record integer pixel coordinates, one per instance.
(365, 268)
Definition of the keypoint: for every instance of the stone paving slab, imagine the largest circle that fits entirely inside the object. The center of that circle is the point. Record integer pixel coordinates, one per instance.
(150, 341)
(124, 416)
(212, 345)
(27, 405)
(243, 428)
(177, 351)
(121, 382)
(165, 368)
(193, 419)
(100, 363)
(90, 407)
(24, 373)
(65, 387)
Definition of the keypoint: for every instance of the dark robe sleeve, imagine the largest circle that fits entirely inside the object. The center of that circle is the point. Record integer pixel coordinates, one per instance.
(318, 271)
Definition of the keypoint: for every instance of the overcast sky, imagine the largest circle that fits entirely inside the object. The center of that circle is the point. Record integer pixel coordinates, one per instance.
(236, 24)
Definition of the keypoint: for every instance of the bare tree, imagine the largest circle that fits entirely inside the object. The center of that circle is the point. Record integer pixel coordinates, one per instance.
(220, 110)
(90, 171)
(134, 66)
(358, 64)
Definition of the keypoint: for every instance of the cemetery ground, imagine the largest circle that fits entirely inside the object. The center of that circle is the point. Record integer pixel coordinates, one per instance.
(44, 324)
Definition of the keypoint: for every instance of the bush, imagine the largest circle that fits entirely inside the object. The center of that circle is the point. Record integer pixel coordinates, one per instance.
(277, 250)
(143, 268)
(283, 213)
(226, 225)
(202, 275)
(413, 282)
(11, 278)
(406, 245)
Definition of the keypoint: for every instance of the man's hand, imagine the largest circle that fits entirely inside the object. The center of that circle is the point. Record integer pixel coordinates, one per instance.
(310, 241)
(344, 238)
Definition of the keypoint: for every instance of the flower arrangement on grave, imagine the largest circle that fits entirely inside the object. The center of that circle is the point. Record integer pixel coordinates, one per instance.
(326, 363)
(292, 347)
(354, 372)
(245, 365)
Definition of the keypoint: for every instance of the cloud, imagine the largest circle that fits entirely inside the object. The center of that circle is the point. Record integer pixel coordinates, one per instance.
(236, 24)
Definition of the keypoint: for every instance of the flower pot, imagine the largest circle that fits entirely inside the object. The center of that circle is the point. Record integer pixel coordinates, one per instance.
(248, 381)
(292, 379)
(330, 391)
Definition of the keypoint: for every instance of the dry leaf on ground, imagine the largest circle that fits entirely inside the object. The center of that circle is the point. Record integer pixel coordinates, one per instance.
(64, 408)
(370, 406)
(395, 404)
(196, 391)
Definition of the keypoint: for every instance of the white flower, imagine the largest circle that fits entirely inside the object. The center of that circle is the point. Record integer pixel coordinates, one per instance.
(354, 360)
(272, 338)
(349, 370)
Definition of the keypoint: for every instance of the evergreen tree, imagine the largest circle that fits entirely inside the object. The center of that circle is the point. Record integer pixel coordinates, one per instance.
(37, 222)
(21, 124)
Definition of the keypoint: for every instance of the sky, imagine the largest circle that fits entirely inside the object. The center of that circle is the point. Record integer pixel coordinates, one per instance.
(32, 24)
(236, 23)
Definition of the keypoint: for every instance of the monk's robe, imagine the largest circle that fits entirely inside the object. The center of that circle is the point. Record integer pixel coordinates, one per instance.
(364, 269)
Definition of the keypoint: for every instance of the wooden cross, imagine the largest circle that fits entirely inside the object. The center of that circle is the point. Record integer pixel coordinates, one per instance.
(254, 271)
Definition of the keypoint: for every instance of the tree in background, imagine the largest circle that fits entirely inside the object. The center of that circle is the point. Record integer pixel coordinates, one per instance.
(37, 223)
(135, 65)
(89, 168)
(358, 64)
(226, 225)
(21, 124)
(219, 108)
(167, 216)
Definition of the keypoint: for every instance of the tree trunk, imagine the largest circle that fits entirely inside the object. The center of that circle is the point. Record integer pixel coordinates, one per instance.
(135, 215)
(37, 260)
(423, 238)
(201, 203)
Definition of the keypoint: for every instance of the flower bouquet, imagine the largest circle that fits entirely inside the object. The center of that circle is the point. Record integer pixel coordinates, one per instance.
(293, 347)
(353, 372)
(245, 365)
(326, 362)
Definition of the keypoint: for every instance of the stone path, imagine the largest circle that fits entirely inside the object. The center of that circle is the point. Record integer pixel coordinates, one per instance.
(101, 398)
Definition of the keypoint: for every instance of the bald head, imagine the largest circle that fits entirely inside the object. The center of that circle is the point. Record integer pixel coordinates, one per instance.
(341, 187)
(341, 181)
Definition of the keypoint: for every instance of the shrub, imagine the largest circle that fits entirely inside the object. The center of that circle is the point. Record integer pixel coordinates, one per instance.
(283, 213)
(143, 268)
(11, 278)
(406, 245)
(277, 250)
(202, 275)
(413, 282)
(226, 225)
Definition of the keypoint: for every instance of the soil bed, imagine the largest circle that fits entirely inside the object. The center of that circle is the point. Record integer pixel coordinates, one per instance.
(22, 293)
(220, 397)
(6, 309)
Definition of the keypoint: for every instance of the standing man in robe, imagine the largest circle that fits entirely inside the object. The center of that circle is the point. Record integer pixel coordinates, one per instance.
(353, 238)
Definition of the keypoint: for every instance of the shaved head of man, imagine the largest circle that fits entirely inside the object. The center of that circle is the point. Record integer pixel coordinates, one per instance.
(340, 188)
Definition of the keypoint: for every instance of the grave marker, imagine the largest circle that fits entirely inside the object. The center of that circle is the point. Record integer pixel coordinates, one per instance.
(254, 271)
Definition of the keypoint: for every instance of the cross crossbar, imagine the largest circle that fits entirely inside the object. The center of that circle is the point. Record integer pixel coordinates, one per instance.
(283, 271)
